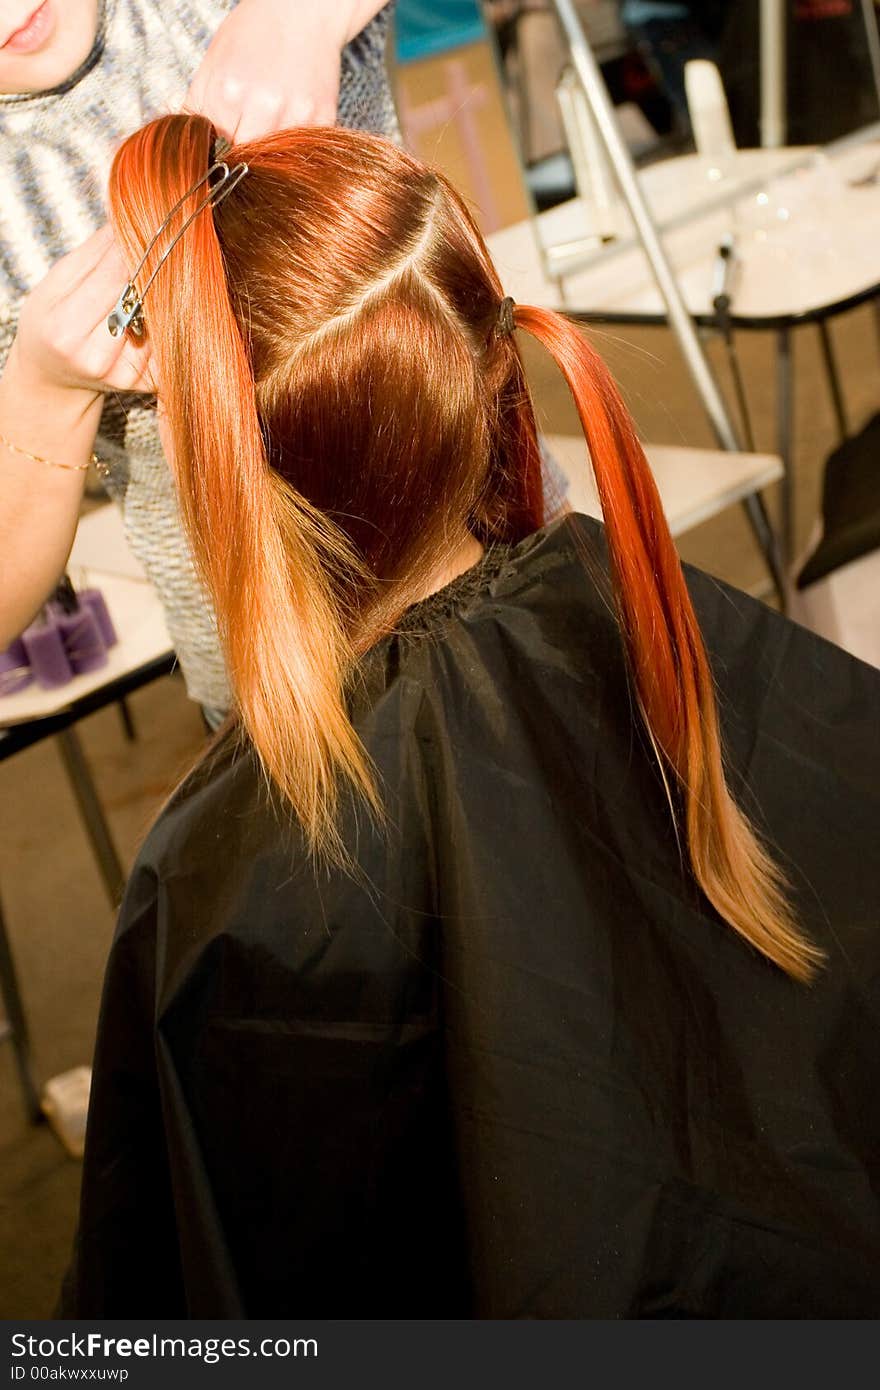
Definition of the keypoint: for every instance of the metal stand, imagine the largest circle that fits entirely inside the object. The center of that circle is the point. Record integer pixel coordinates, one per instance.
(126, 720)
(680, 321)
(92, 814)
(834, 383)
(872, 34)
(784, 413)
(15, 1029)
(774, 114)
(774, 67)
(783, 436)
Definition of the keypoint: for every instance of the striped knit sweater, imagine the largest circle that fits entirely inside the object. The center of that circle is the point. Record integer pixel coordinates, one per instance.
(55, 154)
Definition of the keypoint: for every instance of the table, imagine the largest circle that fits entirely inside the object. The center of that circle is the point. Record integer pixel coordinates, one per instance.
(694, 484)
(804, 223)
(100, 557)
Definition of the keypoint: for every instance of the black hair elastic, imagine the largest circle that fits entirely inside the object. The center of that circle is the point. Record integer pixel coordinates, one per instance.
(505, 324)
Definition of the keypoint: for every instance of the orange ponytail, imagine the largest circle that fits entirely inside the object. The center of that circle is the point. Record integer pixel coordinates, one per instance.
(268, 558)
(668, 660)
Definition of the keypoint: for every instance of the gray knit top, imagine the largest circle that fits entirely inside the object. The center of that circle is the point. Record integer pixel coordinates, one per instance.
(55, 153)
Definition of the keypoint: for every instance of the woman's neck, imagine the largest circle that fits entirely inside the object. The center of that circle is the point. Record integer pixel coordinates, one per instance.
(466, 554)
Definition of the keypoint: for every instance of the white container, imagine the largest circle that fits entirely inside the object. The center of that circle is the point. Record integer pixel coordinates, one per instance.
(65, 1103)
(708, 111)
(593, 175)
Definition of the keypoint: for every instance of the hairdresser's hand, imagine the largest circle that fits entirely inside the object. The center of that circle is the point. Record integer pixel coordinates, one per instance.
(275, 63)
(63, 341)
(61, 361)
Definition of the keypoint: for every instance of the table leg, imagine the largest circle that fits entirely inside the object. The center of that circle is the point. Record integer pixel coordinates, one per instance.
(756, 511)
(92, 814)
(127, 722)
(754, 505)
(742, 404)
(15, 1029)
(833, 378)
(783, 439)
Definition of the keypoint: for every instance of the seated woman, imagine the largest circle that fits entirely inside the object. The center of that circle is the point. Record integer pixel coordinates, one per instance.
(459, 979)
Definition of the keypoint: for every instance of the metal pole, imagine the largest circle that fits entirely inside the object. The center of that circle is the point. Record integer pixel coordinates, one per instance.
(16, 1029)
(835, 385)
(587, 69)
(92, 813)
(873, 35)
(783, 437)
(682, 324)
(773, 75)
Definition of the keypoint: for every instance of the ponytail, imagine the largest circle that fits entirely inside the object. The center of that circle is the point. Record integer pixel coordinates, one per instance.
(670, 669)
(267, 557)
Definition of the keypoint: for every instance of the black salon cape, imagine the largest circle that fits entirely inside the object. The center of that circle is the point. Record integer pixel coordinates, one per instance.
(515, 1066)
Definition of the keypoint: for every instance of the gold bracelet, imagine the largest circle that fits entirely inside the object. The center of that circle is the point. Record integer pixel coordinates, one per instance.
(52, 463)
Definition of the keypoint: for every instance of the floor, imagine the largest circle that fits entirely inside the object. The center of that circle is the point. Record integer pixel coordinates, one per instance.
(60, 924)
(59, 919)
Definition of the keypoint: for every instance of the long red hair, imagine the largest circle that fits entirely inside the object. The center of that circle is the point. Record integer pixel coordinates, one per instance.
(341, 408)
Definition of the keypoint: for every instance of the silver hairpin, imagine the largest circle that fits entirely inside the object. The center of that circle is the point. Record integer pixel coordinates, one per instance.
(127, 312)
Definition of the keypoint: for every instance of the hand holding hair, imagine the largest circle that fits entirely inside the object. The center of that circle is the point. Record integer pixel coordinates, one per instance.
(62, 340)
(273, 65)
(60, 363)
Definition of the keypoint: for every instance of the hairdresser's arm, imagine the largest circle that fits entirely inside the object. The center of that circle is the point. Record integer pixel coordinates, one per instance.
(40, 504)
(275, 63)
(61, 361)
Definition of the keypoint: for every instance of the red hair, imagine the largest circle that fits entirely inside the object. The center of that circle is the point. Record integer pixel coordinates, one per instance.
(341, 410)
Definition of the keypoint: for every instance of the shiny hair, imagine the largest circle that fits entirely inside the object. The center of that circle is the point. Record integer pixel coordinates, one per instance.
(342, 410)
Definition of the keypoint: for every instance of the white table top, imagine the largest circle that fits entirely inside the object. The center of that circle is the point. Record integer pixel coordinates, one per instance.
(805, 241)
(100, 544)
(694, 484)
(136, 612)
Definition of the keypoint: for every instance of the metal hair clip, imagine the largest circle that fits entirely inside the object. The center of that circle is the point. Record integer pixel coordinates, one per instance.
(127, 312)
